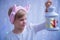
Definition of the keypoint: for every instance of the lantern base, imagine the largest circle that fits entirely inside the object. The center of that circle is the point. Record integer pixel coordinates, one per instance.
(53, 29)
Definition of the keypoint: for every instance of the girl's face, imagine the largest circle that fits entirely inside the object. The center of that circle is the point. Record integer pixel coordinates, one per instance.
(20, 23)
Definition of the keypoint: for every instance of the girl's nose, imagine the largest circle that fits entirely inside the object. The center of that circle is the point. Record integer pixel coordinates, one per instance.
(24, 22)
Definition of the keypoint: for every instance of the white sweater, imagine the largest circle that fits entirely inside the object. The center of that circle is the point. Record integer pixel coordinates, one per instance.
(28, 33)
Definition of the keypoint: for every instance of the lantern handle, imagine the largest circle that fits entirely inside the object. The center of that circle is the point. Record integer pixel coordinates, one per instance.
(48, 4)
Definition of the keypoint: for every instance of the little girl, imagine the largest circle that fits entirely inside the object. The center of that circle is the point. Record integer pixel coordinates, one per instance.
(21, 31)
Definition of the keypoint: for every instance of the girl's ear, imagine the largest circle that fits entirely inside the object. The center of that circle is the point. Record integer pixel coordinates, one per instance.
(27, 7)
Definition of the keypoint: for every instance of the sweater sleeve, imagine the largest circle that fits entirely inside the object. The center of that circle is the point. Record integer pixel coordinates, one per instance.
(39, 27)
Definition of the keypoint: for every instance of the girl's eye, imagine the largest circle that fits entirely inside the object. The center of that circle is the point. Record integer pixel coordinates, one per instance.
(21, 19)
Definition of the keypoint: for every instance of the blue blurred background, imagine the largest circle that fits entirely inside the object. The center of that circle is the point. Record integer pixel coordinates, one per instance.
(36, 12)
